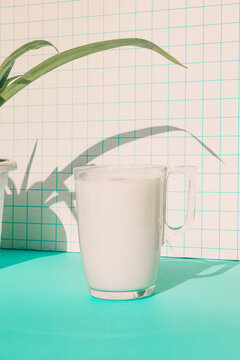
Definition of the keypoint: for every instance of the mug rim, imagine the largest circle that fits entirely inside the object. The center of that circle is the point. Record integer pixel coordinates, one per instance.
(94, 169)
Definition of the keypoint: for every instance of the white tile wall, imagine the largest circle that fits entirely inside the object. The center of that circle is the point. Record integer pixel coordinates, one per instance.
(81, 103)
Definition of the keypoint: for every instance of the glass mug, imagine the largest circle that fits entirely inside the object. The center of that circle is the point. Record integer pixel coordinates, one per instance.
(121, 222)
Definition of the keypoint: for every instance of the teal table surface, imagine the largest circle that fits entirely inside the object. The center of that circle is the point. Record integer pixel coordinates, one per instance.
(46, 312)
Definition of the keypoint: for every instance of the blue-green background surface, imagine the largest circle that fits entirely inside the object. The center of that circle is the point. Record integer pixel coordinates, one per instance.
(47, 313)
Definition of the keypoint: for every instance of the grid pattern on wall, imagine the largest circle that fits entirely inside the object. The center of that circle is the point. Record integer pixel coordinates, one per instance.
(51, 126)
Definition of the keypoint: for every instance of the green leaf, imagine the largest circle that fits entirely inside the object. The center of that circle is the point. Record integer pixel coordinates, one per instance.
(76, 53)
(5, 74)
(8, 81)
(8, 63)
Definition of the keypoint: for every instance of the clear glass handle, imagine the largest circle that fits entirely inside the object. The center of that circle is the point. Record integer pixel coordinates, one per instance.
(190, 172)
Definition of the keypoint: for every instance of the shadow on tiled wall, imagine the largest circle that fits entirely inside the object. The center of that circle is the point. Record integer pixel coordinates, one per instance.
(28, 219)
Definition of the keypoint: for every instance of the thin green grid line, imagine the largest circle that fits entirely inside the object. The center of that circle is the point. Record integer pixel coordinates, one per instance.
(72, 135)
(14, 113)
(203, 55)
(3, 24)
(185, 121)
(234, 231)
(127, 49)
(41, 159)
(103, 83)
(38, 89)
(131, 85)
(57, 138)
(175, 191)
(175, 246)
(87, 94)
(124, 13)
(135, 82)
(67, 207)
(168, 106)
(220, 140)
(31, 239)
(151, 87)
(179, 136)
(123, 119)
(119, 80)
(238, 161)
(27, 172)
(141, 155)
(143, 101)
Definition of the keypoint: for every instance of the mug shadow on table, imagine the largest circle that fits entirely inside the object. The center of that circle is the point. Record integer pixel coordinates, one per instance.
(173, 271)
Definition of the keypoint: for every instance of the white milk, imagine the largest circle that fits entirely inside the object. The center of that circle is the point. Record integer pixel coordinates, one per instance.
(119, 229)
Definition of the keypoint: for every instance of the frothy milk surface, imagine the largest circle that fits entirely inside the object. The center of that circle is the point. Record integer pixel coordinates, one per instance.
(118, 217)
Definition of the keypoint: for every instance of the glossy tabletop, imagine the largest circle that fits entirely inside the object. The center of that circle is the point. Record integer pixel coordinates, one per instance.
(46, 312)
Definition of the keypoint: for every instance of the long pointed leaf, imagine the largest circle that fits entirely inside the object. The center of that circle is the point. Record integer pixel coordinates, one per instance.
(4, 75)
(76, 53)
(8, 81)
(9, 61)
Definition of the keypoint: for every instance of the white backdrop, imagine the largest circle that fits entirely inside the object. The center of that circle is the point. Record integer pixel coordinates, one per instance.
(49, 126)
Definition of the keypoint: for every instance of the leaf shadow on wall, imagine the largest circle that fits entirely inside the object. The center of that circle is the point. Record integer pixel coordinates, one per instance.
(28, 214)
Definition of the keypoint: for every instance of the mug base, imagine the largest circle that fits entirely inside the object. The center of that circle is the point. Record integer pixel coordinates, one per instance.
(122, 295)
